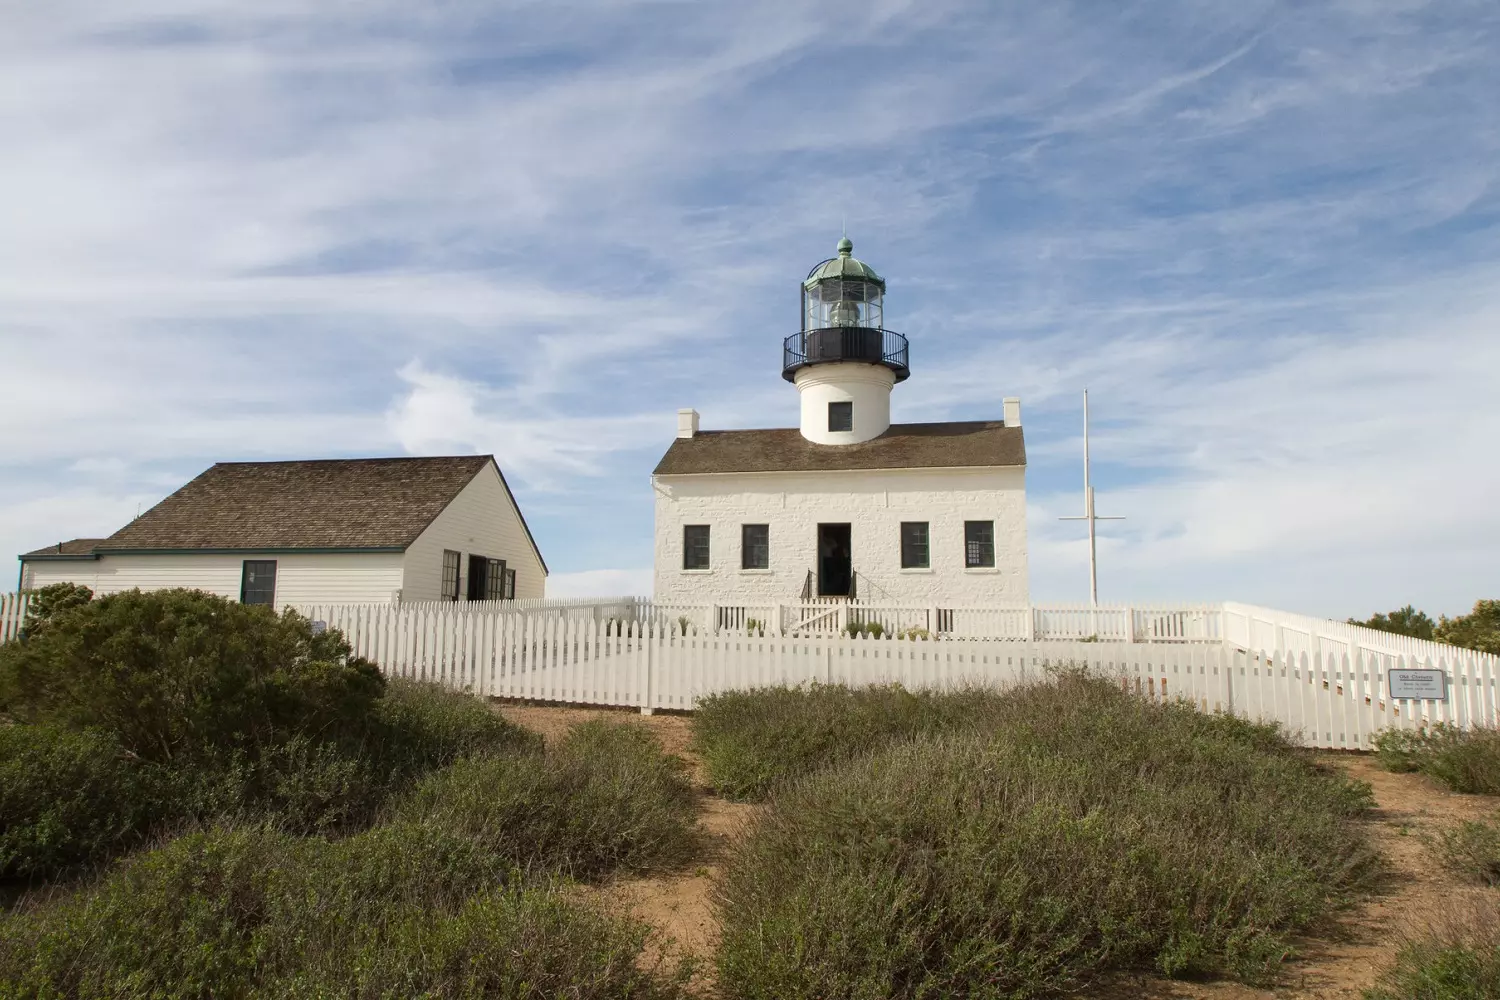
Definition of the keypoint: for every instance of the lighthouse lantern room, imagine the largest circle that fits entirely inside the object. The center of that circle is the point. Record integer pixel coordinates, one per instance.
(843, 361)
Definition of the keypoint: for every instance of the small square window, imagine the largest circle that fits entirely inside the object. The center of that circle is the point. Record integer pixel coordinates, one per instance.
(841, 416)
(755, 546)
(258, 581)
(979, 543)
(914, 545)
(695, 546)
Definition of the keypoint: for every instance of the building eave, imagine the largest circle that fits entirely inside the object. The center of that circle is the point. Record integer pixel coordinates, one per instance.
(333, 550)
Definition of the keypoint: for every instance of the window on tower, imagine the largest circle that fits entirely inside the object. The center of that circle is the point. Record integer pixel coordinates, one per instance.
(841, 416)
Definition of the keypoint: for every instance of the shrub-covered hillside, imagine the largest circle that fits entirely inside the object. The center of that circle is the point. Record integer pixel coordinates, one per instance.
(209, 800)
(1024, 844)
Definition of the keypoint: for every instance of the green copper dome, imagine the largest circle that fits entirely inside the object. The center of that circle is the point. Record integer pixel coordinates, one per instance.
(845, 267)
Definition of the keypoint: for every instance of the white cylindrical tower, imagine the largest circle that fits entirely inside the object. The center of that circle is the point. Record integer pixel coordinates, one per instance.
(844, 362)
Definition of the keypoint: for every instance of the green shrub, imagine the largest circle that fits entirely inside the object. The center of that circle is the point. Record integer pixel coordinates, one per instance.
(397, 911)
(67, 797)
(605, 799)
(1066, 830)
(52, 601)
(172, 672)
(1472, 850)
(416, 727)
(1457, 958)
(1479, 629)
(1464, 760)
(751, 740)
(307, 785)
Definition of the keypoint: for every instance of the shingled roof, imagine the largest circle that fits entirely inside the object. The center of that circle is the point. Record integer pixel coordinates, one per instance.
(76, 548)
(963, 444)
(360, 503)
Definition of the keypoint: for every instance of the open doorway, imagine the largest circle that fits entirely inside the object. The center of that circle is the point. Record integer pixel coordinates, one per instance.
(835, 562)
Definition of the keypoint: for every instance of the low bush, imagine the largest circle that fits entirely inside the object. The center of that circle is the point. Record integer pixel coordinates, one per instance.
(1464, 760)
(1457, 957)
(52, 601)
(1065, 831)
(396, 911)
(67, 797)
(173, 672)
(751, 740)
(1472, 850)
(77, 796)
(604, 800)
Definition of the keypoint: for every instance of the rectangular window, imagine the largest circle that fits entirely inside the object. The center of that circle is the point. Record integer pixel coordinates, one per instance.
(979, 543)
(494, 580)
(755, 546)
(695, 546)
(841, 416)
(448, 590)
(914, 545)
(258, 582)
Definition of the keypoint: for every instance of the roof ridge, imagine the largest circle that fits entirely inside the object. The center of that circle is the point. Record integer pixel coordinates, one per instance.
(334, 461)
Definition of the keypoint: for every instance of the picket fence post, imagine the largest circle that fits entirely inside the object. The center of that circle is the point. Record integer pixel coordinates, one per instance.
(650, 661)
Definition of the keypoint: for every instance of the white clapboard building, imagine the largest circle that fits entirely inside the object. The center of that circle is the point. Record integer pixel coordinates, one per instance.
(848, 505)
(338, 531)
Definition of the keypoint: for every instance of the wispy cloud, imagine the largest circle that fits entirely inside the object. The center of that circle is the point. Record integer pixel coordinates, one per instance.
(1265, 237)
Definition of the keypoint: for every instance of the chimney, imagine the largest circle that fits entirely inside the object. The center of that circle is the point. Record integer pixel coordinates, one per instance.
(1013, 411)
(687, 423)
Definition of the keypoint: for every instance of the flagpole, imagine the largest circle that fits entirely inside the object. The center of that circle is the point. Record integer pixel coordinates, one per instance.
(1089, 513)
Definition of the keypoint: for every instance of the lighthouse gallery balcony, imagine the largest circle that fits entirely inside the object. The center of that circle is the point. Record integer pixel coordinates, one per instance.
(845, 343)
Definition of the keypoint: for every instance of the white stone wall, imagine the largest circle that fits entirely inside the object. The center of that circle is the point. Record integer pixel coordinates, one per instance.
(481, 520)
(301, 578)
(874, 504)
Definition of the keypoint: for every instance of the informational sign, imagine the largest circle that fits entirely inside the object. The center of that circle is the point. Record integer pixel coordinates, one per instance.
(1417, 685)
(318, 628)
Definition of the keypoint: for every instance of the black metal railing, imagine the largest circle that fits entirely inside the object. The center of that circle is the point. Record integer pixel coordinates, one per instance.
(845, 343)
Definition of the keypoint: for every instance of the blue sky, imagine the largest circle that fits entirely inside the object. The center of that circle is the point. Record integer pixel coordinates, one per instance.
(1265, 235)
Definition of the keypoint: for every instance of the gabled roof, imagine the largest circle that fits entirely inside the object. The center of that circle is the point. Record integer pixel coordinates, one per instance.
(353, 504)
(962, 444)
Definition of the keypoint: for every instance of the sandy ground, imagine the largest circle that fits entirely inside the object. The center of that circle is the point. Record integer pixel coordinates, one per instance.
(1338, 965)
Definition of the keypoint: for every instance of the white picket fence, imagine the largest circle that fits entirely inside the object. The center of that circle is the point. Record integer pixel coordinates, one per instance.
(1107, 623)
(1321, 678)
(12, 614)
(1333, 701)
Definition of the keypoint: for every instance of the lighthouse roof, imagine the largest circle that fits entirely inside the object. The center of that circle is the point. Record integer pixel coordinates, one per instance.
(961, 444)
(845, 267)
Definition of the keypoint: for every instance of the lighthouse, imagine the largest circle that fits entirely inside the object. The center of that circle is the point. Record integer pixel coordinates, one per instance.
(843, 361)
(760, 525)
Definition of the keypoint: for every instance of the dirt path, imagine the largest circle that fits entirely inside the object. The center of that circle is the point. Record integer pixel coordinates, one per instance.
(678, 904)
(1337, 966)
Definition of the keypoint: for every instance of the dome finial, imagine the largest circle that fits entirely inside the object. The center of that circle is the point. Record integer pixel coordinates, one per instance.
(846, 247)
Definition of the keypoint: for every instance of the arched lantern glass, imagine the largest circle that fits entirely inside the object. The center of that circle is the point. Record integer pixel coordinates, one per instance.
(843, 292)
